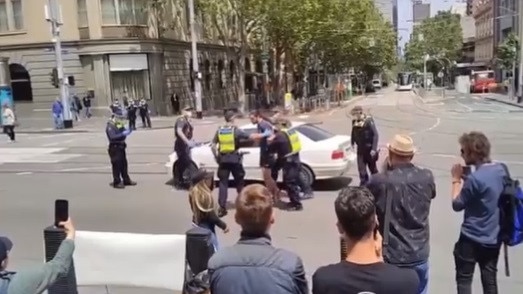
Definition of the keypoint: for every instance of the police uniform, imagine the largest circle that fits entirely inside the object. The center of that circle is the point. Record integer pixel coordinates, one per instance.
(144, 114)
(365, 136)
(116, 134)
(229, 160)
(183, 151)
(131, 114)
(286, 144)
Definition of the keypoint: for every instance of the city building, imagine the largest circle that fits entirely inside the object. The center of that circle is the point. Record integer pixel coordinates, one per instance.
(420, 12)
(115, 48)
(483, 13)
(386, 7)
(506, 21)
(468, 27)
(469, 6)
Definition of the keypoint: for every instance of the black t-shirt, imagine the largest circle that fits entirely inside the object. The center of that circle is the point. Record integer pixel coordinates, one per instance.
(187, 129)
(376, 278)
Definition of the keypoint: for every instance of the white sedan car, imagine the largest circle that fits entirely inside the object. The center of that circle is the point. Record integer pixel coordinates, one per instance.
(324, 155)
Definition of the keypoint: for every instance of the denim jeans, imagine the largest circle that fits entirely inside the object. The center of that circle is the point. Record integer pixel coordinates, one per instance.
(214, 238)
(58, 122)
(422, 270)
(466, 254)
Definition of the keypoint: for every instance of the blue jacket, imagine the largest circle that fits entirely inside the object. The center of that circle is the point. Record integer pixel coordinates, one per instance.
(57, 107)
(254, 266)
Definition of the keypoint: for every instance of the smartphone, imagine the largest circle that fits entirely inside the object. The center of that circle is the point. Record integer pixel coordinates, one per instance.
(61, 211)
(467, 170)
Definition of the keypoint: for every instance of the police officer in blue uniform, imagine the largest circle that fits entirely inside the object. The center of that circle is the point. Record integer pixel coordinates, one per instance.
(225, 145)
(287, 146)
(365, 135)
(116, 134)
(183, 132)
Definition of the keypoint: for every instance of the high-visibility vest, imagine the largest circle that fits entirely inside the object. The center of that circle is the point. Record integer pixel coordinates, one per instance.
(294, 140)
(226, 140)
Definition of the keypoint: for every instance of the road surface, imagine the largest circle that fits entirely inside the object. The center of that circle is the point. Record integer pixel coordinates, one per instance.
(42, 167)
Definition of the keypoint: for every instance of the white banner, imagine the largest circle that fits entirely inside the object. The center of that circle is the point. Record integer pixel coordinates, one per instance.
(125, 259)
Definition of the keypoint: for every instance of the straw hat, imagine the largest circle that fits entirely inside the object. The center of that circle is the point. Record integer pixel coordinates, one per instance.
(402, 145)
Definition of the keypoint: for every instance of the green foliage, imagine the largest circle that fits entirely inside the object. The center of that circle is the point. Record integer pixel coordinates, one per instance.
(508, 52)
(442, 38)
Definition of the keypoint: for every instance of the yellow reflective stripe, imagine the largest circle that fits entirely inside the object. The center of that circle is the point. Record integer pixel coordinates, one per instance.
(226, 140)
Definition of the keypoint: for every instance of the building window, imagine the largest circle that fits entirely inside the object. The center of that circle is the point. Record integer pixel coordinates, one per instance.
(124, 12)
(11, 16)
(82, 13)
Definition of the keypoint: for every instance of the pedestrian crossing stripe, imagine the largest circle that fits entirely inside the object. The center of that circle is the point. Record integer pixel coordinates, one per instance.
(34, 155)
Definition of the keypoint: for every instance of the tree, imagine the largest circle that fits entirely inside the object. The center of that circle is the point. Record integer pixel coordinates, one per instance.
(508, 52)
(441, 37)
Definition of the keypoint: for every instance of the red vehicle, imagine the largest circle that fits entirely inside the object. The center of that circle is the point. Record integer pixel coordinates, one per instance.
(482, 81)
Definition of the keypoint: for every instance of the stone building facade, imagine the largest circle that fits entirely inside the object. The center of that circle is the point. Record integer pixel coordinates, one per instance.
(114, 54)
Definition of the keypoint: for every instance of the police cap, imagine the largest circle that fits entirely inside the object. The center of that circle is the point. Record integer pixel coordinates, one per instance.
(229, 115)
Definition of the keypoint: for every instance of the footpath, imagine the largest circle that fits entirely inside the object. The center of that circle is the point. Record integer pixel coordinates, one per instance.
(501, 98)
(40, 121)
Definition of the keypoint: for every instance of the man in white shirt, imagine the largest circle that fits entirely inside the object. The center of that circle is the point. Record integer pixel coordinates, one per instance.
(8, 122)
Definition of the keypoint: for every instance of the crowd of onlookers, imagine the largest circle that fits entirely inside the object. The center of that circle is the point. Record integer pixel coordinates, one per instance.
(384, 225)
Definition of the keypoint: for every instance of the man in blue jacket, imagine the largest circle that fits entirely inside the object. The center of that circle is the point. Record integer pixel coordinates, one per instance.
(253, 265)
(58, 110)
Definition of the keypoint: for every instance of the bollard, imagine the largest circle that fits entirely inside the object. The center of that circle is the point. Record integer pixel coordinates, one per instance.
(53, 237)
(343, 249)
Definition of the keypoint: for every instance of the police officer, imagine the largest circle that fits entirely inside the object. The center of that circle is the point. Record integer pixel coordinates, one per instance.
(365, 136)
(131, 114)
(116, 134)
(144, 114)
(306, 190)
(228, 138)
(183, 132)
(287, 146)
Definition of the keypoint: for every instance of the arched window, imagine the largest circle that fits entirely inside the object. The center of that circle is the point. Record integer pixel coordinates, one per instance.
(221, 74)
(208, 74)
(191, 75)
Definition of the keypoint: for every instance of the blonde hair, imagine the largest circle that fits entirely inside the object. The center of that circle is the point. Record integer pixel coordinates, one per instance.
(202, 202)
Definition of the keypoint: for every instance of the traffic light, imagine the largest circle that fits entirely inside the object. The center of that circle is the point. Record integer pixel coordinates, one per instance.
(54, 78)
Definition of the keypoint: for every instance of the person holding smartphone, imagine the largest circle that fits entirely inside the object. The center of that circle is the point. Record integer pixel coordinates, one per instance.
(38, 278)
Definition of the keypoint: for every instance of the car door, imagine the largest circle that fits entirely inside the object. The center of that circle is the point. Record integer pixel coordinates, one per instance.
(251, 158)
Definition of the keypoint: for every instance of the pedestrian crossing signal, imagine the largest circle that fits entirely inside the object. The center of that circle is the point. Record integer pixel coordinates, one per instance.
(54, 78)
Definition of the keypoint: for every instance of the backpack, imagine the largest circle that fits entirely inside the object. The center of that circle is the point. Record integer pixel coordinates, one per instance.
(5, 279)
(511, 215)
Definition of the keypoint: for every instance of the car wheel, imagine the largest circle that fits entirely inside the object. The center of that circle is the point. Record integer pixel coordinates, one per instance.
(306, 175)
(188, 173)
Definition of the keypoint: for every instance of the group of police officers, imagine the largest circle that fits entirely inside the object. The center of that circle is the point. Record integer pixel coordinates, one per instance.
(279, 145)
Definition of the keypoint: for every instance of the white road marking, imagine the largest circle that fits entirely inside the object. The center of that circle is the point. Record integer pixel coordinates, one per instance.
(435, 125)
(469, 109)
(24, 173)
(34, 155)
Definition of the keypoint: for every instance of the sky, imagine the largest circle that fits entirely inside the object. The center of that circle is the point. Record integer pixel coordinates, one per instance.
(405, 14)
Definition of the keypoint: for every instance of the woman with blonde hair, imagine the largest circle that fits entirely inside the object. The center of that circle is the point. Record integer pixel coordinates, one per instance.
(203, 205)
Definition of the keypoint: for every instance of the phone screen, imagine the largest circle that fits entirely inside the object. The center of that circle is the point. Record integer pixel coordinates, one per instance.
(61, 211)
(467, 170)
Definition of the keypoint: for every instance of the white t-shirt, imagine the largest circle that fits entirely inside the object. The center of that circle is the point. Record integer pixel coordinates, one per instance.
(8, 117)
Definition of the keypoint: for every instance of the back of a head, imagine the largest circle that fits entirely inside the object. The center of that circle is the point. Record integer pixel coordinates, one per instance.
(356, 212)
(254, 210)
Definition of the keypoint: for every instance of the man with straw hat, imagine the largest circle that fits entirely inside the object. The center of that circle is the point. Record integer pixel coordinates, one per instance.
(365, 135)
(403, 194)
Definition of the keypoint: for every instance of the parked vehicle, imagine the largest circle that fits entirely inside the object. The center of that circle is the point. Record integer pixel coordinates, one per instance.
(324, 155)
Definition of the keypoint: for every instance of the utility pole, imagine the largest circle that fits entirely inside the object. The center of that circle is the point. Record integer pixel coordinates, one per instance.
(520, 75)
(197, 75)
(53, 14)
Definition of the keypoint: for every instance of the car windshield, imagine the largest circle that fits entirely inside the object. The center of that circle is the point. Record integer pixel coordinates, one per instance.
(314, 133)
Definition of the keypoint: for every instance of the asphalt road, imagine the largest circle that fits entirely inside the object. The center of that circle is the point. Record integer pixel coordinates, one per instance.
(42, 167)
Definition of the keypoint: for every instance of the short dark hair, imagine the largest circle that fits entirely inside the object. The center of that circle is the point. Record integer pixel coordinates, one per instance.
(254, 209)
(356, 212)
(476, 146)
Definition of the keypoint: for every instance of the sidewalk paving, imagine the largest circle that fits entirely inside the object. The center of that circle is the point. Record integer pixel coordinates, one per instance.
(501, 98)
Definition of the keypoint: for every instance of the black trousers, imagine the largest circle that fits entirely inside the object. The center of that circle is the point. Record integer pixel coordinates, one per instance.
(184, 160)
(366, 160)
(146, 120)
(132, 122)
(224, 171)
(275, 169)
(10, 131)
(467, 254)
(291, 179)
(119, 163)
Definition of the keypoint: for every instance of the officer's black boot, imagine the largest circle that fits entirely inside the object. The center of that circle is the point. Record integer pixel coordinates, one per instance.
(118, 186)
